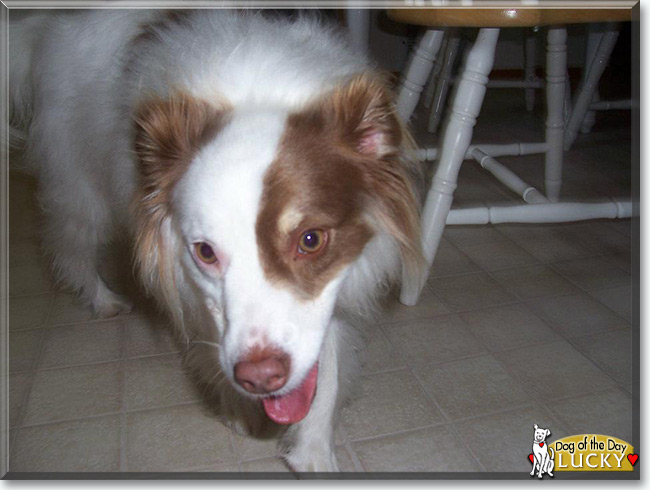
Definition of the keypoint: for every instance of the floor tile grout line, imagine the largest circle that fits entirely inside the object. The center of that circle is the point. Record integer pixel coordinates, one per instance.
(114, 413)
(356, 461)
(96, 363)
(410, 430)
(558, 271)
(28, 392)
(445, 416)
(533, 394)
(123, 462)
(590, 293)
(562, 419)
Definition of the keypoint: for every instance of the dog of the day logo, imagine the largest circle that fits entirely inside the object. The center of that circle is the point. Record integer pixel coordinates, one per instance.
(584, 452)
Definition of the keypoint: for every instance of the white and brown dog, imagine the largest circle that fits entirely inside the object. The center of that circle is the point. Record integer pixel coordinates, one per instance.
(542, 459)
(260, 167)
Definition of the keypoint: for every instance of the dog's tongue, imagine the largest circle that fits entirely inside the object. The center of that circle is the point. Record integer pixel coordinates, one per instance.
(292, 407)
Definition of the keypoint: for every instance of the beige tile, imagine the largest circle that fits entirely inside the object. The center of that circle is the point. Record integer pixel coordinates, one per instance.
(173, 438)
(29, 311)
(498, 255)
(592, 273)
(435, 449)
(249, 448)
(618, 299)
(32, 278)
(19, 386)
(450, 261)
(472, 235)
(26, 251)
(507, 327)
(344, 460)
(553, 370)
(470, 291)
(534, 282)
(218, 468)
(621, 260)
(378, 354)
(24, 349)
(267, 465)
(553, 247)
(388, 403)
(623, 226)
(525, 231)
(502, 442)
(471, 387)
(611, 351)
(146, 336)
(68, 393)
(156, 381)
(78, 445)
(82, 344)
(606, 412)
(599, 237)
(428, 306)
(576, 314)
(441, 339)
(67, 308)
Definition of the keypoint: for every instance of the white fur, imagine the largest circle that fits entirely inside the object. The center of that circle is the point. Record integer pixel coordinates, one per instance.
(80, 142)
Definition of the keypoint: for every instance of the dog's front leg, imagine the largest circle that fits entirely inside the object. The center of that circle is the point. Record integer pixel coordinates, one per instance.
(308, 444)
(535, 464)
(542, 464)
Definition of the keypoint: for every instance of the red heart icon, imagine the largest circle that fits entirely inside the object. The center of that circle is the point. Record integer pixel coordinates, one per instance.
(632, 458)
(541, 444)
(531, 457)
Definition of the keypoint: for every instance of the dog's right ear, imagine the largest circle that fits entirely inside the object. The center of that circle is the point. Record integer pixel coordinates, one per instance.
(169, 132)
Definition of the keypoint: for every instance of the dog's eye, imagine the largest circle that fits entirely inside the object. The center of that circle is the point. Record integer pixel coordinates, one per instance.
(205, 253)
(312, 241)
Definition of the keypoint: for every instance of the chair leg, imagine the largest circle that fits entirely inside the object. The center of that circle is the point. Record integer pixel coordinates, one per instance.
(444, 81)
(417, 72)
(458, 135)
(567, 98)
(530, 50)
(584, 99)
(555, 92)
(358, 23)
(594, 36)
(430, 87)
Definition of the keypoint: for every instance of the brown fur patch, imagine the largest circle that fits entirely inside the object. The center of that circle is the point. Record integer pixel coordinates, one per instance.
(341, 166)
(169, 133)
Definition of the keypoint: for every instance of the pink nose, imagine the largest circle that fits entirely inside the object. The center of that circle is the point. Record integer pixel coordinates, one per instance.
(263, 374)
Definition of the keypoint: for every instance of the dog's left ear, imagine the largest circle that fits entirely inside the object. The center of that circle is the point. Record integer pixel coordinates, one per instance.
(548, 432)
(365, 118)
(368, 129)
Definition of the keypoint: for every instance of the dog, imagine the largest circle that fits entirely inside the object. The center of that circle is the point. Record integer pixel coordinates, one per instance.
(267, 184)
(543, 461)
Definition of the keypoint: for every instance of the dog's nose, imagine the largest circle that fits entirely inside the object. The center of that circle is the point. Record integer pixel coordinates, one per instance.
(263, 374)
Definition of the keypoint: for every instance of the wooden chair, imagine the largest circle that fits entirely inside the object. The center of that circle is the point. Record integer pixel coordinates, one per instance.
(456, 142)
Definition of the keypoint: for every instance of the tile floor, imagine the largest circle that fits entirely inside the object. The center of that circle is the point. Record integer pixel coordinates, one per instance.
(518, 324)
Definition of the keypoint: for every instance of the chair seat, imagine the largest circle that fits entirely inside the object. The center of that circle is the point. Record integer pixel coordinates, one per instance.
(500, 17)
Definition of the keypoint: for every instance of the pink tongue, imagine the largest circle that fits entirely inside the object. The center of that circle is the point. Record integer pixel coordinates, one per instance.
(292, 407)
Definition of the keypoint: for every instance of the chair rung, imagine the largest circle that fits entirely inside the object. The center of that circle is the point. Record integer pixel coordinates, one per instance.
(541, 213)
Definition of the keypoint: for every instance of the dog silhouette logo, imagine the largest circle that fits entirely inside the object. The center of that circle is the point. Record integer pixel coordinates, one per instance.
(542, 456)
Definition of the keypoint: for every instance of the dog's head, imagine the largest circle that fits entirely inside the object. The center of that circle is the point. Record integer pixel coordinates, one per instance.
(263, 217)
(540, 433)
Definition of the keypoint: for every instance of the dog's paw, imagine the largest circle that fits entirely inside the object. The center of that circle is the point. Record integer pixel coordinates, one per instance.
(314, 460)
(110, 304)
